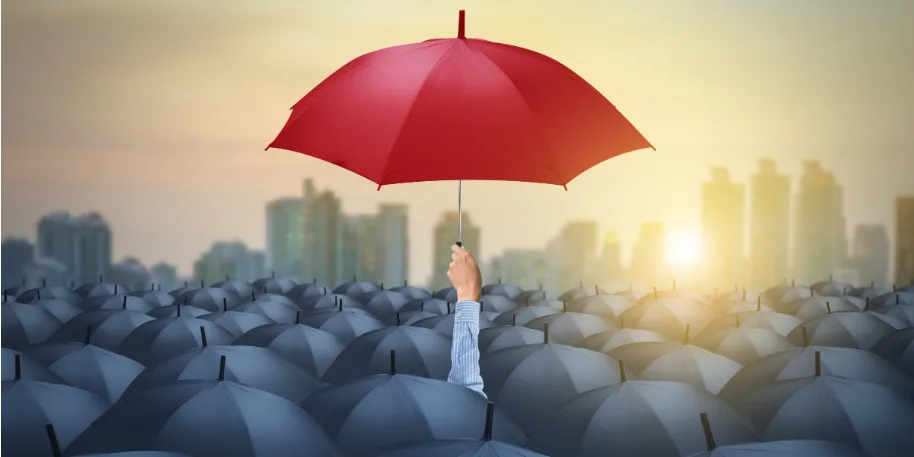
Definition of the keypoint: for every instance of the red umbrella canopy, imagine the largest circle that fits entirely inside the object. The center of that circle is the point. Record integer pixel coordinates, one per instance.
(458, 109)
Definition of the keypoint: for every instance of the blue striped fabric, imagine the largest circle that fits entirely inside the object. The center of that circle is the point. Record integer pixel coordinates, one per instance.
(465, 347)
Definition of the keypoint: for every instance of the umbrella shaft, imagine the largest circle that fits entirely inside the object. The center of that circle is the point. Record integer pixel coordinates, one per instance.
(459, 213)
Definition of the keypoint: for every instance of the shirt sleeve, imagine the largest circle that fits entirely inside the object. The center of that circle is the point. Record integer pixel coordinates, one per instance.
(465, 348)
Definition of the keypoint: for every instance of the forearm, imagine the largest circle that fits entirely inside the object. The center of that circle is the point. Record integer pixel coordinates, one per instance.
(465, 347)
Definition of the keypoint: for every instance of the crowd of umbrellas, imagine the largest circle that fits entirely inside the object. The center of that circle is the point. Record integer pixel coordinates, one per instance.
(276, 368)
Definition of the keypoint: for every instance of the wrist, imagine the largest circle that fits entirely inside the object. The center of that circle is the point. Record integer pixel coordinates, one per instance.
(472, 294)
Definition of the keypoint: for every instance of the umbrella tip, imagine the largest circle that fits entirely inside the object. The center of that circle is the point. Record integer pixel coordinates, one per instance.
(52, 438)
(221, 368)
(490, 417)
(393, 362)
(203, 336)
(706, 426)
(461, 24)
(818, 363)
(622, 377)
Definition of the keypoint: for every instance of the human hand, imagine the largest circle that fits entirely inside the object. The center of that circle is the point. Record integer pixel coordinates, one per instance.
(464, 274)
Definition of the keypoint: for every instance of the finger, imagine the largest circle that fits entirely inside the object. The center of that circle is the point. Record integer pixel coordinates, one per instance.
(455, 249)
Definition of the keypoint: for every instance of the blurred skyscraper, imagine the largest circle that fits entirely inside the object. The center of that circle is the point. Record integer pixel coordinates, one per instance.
(229, 259)
(362, 248)
(165, 276)
(723, 212)
(284, 236)
(608, 268)
(821, 241)
(17, 254)
(325, 233)
(393, 237)
(82, 244)
(648, 255)
(131, 273)
(445, 235)
(522, 268)
(870, 256)
(769, 226)
(570, 255)
(904, 240)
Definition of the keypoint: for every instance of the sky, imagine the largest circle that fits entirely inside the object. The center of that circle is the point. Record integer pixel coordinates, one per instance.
(156, 112)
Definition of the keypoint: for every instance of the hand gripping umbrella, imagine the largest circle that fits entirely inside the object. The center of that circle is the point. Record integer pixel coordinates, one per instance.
(458, 109)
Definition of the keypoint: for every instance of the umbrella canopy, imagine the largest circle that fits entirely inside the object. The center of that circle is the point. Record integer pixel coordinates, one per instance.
(892, 298)
(207, 419)
(330, 301)
(24, 325)
(746, 306)
(779, 323)
(212, 299)
(411, 292)
(274, 285)
(798, 448)
(609, 307)
(239, 288)
(505, 290)
(181, 290)
(497, 303)
(307, 347)
(897, 316)
(383, 303)
(62, 310)
(674, 295)
(157, 341)
(277, 311)
(524, 314)
(569, 328)
(669, 317)
(744, 344)
(100, 289)
(421, 352)
(109, 327)
(639, 418)
(346, 324)
(267, 297)
(529, 382)
(810, 308)
(177, 310)
(237, 322)
(908, 288)
(445, 324)
(156, 297)
(136, 454)
(301, 293)
(494, 338)
(898, 348)
(449, 294)
(410, 317)
(531, 297)
(800, 363)
(461, 448)
(581, 292)
(49, 293)
(118, 302)
(869, 292)
(832, 288)
(10, 293)
(781, 295)
(369, 414)
(728, 299)
(28, 406)
(611, 339)
(668, 361)
(845, 329)
(16, 364)
(89, 367)
(355, 288)
(249, 365)
(430, 305)
(833, 409)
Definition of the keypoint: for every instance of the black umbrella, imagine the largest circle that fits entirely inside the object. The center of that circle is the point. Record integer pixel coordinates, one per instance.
(832, 288)
(445, 324)
(909, 288)
(156, 297)
(369, 414)
(670, 361)
(505, 290)
(898, 348)
(411, 292)
(494, 338)
(22, 365)
(212, 299)
(278, 311)
(497, 303)
(639, 418)
(800, 363)
(331, 301)
(176, 310)
(24, 325)
(570, 328)
(62, 310)
(784, 294)
(240, 288)
(266, 296)
(109, 327)
(670, 316)
(118, 302)
(356, 288)
(275, 285)
(430, 305)
(252, 366)
(800, 448)
(207, 419)
(533, 296)
(779, 323)
(383, 303)
(100, 289)
(460, 448)
(238, 322)
(49, 293)
(845, 329)
(898, 316)
(607, 306)
(157, 341)
(811, 308)
(529, 382)
(611, 339)
(859, 414)
(870, 292)
(409, 317)
(29, 406)
(674, 295)
(522, 315)
(726, 300)
(743, 344)
(301, 293)
(10, 293)
(449, 294)
(581, 292)
(346, 324)
(422, 352)
(181, 290)
(307, 347)
(137, 454)
(892, 299)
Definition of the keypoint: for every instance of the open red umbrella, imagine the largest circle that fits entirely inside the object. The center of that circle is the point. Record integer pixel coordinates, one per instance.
(458, 109)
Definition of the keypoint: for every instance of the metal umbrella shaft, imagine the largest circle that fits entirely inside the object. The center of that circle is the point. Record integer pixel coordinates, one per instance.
(460, 213)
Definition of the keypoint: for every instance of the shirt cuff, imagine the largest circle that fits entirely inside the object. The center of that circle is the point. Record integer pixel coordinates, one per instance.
(466, 311)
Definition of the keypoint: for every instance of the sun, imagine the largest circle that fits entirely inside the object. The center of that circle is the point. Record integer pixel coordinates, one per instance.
(683, 249)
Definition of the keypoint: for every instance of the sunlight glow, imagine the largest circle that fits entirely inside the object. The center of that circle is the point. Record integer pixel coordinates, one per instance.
(683, 249)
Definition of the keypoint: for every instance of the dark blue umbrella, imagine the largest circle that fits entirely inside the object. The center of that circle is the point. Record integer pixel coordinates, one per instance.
(898, 348)
(460, 448)
(800, 448)
(49, 293)
(28, 406)
(780, 323)
(16, 364)
(494, 338)
(346, 324)
(100, 289)
(212, 299)
(449, 294)
(157, 341)
(859, 414)
(728, 299)
(445, 324)
(383, 303)
(811, 308)
(783, 294)
(852, 329)
(302, 293)
(607, 341)
(62, 310)
(10, 293)
(24, 325)
(278, 311)
(639, 418)
(137, 454)
(430, 305)
(181, 290)
(580, 292)
(356, 288)
(307, 347)
(109, 327)
(529, 382)
(249, 365)
(207, 419)
(275, 285)
(743, 344)
(238, 322)
(238, 287)
(369, 414)
(553, 303)
(570, 328)
(89, 367)
(869, 292)
(898, 316)
(422, 352)
(609, 307)
(412, 292)
(408, 318)
(505, 290)
(670, 361)
(909, 288)
(177, 310)
(118, 302)
(330, 301)
(524, 314)
(832, 288)
(800, 363)
(156, 297)
(532, 296)
(670, 316)
(892, 299)
(497, 303)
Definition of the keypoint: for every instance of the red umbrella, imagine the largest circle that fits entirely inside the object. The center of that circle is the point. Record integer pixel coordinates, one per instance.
(458, 109)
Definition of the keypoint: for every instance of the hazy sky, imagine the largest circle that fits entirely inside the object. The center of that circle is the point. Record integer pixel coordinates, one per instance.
(156, 112)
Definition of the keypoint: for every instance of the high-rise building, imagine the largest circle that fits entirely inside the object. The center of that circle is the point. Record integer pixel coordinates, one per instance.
(131, 273)
(165, 276)
(362, 248)
(17, 254)
(570, 255)
(904, 240)
(769, 226)
(445, 235)
(870, 255)
(821, 242)
(608, 267)
(327, 240)
(229, 259)
(723, 212)
(393, 238)
(648, 254)
(284, 236)
(81, 244)
(522, 268)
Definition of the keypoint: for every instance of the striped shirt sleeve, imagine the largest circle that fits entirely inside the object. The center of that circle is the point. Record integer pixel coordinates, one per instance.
(465, 347)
